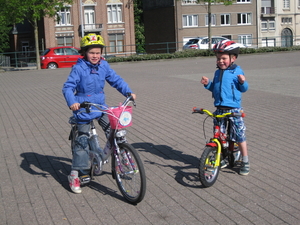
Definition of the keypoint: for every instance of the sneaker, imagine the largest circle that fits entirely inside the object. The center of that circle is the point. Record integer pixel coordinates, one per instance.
(74, 183)
(245, 169)
(223, 164)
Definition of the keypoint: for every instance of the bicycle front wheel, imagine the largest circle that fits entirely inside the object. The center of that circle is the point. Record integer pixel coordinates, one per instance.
(129, 173)
(208, 170)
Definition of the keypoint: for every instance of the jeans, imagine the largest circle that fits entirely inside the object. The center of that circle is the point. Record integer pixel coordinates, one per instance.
(81, 150)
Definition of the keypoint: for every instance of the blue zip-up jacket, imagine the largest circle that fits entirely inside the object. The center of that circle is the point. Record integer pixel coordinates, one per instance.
(225, 87)
(86, 83)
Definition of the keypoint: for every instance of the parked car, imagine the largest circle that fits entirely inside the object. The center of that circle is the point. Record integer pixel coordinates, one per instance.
(202, 42)
(59, 57)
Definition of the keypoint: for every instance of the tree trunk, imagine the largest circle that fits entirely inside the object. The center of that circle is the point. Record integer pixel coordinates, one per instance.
(37, 49)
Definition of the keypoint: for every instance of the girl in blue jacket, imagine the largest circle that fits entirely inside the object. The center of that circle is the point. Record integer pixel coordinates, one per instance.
(227, 87)
(86, 83)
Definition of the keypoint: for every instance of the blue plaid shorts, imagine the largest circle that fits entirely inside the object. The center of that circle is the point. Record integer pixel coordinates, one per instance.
(237, 133)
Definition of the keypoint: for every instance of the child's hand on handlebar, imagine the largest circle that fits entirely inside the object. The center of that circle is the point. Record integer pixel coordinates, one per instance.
(75, 106)
(133, 96)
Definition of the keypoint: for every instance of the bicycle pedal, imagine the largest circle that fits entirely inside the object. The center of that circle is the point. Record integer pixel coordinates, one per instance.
(85, 179)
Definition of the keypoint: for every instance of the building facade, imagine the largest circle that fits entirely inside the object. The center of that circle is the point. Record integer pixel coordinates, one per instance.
(279, 23)
(254, 23)
(113, 19)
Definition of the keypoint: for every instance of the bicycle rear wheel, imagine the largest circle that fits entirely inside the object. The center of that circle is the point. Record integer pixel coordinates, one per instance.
(129, 174)
(208, 170)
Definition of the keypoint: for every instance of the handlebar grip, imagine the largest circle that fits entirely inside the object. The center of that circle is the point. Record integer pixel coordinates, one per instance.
(239, 114)
(86, 106)
(198, 110)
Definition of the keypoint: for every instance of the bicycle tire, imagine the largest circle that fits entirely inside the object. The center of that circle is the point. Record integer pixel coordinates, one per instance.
(131, 183)
(208, 171)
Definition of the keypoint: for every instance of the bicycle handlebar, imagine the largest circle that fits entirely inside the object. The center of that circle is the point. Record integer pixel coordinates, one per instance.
(230, 114)
(86, 104)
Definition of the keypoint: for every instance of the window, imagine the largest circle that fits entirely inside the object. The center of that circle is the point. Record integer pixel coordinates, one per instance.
(213, 20)
(185, 2)
(267, 25)
(89, 15)
(268, 42)
(114, 13)
(64, 41)
(116, 43)
(63, 17)
(190, 20)
(245, 39)
(271, 24)
(286, 20)
(244, 18)
(286, 4)
(225, 19)
(264, 26)
(243, 1)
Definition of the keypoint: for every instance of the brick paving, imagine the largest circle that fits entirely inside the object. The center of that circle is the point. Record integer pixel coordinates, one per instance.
(35, 155)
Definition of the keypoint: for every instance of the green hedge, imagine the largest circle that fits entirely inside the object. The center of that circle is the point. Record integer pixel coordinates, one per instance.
(196, 53)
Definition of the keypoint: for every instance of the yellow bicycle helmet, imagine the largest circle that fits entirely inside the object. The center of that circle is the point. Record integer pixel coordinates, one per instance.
(91, 40)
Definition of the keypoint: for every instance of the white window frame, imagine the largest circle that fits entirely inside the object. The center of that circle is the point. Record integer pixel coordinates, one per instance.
(190, 20)
(245, 39)
(286, 20)
(114, 13)
(245, 18)
(272, 25)
(213, 20)
(66, 41)
(116, 43)
(264, 25)
(89, 15)
(189, 2)
(286, 4)
(243, 1)
(64, 17)
(226, 19)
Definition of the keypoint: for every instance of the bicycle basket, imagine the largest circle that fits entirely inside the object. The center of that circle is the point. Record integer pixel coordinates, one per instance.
(120, 117)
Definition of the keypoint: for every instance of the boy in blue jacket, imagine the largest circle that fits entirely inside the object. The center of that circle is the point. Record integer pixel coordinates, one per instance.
(227, 87)
(86, 83)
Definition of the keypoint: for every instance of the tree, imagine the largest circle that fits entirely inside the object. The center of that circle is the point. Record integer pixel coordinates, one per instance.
(32, 10)
(139, 26)
(4, 33)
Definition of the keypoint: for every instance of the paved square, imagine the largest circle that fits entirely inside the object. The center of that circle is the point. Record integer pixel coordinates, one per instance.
(35, 154)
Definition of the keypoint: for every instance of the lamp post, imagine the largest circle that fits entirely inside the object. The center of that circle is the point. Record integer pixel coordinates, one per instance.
(81, 18)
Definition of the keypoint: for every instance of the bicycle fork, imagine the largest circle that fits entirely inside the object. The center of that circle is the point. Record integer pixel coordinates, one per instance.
(215, 143)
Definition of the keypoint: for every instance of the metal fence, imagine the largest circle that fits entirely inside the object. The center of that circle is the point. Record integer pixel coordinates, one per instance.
(28, 59)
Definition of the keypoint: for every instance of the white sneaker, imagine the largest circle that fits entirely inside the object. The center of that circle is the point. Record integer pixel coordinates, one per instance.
(74, 183)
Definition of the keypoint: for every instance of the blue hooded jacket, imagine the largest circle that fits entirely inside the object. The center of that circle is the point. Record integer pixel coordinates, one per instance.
(86, 83)
(225, 87)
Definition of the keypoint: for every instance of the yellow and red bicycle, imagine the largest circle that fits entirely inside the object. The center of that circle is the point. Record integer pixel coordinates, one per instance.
(218, 149)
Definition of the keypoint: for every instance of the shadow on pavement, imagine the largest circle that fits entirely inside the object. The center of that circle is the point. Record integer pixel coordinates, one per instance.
(184, 175)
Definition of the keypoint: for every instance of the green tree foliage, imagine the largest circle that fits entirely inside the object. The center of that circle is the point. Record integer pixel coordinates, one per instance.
(16, 11)
(4, 33)
(139, 26)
